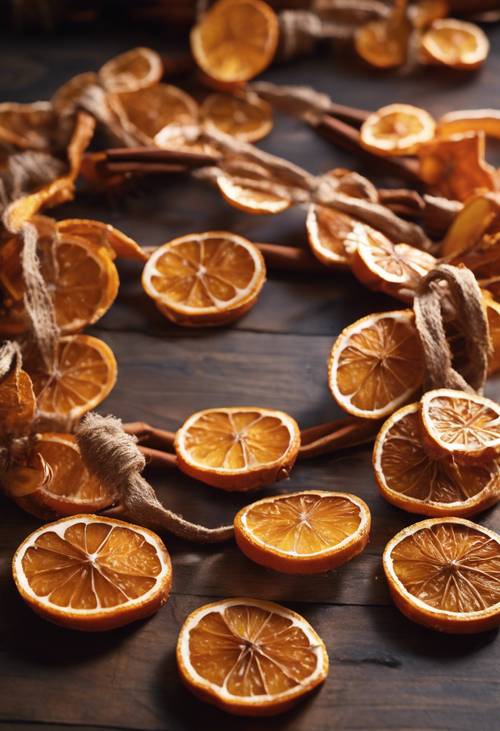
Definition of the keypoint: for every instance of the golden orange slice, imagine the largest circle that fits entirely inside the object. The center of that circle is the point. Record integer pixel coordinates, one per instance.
(471, 223)
(250, 657)
(103, 234)
(27, 126)
(84, 374)
(245, 116)
(79, 272)
(334, 236)
(305, 532)
(455, 43)
(412, 480)
(247, 186)
(443, 574)
(205, 279)
(92, 573)
(239, 448)
(397, 129)
(145, 112)
(376, 364)
(235, 40)
(66, 98)
(130, 71)
(383, 43)
(470, 120)
(462, 425)
(69, 489)
(395, 269)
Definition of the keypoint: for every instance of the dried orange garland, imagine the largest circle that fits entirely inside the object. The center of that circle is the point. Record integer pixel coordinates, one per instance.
(423, 370)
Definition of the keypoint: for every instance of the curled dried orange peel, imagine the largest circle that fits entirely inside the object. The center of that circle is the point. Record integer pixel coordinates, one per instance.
(443, 574)
(408, 477)
(238, 448)
(376, 364)
(92, 573)
(205, 279)
(250, 657)
(470, 120)
(235, 40)
(305, 532)
(334, 236)
(397, 129)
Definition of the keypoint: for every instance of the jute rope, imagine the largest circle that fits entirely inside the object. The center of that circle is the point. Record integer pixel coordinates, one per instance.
(114, 458)
(457, 286)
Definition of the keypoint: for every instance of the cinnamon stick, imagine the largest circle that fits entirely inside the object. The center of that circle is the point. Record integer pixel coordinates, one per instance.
(336, 435)
(158, 458)
(290, 259)
(154, 437)
(160, 155)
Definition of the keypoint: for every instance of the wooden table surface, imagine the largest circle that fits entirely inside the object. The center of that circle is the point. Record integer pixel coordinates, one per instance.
(386, 673)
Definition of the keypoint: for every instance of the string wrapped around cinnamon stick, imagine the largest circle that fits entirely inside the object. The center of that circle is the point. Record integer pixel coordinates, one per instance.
(450, 291)
(115, 459)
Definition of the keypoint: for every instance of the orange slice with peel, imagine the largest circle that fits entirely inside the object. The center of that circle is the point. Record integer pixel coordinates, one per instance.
(395, 269)
(304, 532)
(238, 448)
(250, 657)
(67, 96)
(27, 126)
(334, 236)
(412, 480)
(145, 112)
(130, 71)
(455, 43)
(235, 40)
(79, 272)
(205, 279)
(376, 364)
(69, 488)
(244, 116)
(462, 425)
(84, 374)
(248, 187)
(103, 234)
(443, 574)
(383, 43)
(471, 223)
(397, 129)
(470, 120)
(92, 573)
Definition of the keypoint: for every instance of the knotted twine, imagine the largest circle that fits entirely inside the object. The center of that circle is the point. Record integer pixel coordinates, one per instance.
(431, 303)
(114, 458)
(282, 177)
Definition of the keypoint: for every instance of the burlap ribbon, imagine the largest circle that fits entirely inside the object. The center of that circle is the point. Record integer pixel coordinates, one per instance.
(452, 293)
(114, 458)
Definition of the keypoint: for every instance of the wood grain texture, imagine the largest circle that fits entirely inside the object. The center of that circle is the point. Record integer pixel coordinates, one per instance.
(386, 673)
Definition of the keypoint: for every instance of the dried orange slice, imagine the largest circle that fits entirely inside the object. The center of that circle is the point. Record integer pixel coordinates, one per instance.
(455, 43)
(334, 236)
(376, 364)
(103, 234)
(239, 448)
(84, 374)
(304, 532)
(246, 116)
(250, 657)
(395, 269)
(92, 573)
(443, 574)
(247, 186)
(27, 126)
(397, 129)
(79, 272)
(145, 112)
(470, 120)
(17, 400)
(205, 279)
(66, 98)
(384, 43)
(456, 167)
(412, 480)
(235, 40)
(471, 223)
(462, 425)
(130, 71)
